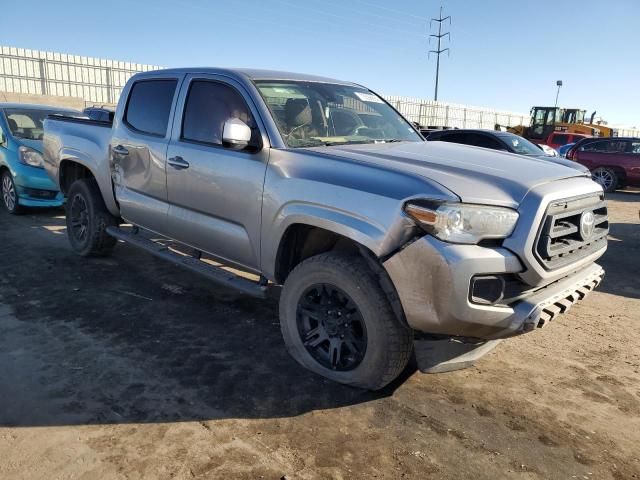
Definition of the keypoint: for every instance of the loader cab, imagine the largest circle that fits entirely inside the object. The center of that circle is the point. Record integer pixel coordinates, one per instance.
(573, 115)
(543, 120)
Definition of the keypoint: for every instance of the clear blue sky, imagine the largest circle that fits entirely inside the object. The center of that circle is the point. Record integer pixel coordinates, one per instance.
(504, 54)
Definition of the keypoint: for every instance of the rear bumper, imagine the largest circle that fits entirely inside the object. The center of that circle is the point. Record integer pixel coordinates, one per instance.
(433, 280)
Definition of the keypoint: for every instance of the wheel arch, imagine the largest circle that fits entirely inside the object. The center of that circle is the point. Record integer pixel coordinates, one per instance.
(74, 166)
(301, 241)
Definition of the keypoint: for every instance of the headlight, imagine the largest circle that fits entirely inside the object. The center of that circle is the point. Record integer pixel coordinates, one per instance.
(463, 223)
(31, 157)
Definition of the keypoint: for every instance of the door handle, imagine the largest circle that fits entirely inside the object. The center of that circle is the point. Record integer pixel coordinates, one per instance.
(120, 150)
(178, 163)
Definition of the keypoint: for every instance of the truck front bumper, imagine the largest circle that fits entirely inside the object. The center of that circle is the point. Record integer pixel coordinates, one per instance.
(433, 280)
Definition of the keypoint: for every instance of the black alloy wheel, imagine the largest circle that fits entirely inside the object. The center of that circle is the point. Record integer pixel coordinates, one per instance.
(331, 327)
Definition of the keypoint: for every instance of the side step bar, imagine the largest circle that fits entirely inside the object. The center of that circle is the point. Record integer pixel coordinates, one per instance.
(213, 273)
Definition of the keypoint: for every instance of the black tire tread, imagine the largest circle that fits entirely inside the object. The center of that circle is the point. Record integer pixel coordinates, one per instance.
(101, 243)
(400, 336)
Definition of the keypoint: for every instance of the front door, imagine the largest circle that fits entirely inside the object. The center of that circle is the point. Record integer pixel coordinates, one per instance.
(215, 192)
(138, 152)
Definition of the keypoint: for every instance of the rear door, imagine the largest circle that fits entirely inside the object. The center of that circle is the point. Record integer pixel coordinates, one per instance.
(592, 154)
(632, 163)
(138, 150)
(214, 192)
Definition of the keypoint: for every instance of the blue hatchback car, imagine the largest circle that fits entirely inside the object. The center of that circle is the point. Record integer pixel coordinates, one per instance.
(23, 180)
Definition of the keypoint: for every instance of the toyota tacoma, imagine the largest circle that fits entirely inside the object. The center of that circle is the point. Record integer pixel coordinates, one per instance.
(379, 240)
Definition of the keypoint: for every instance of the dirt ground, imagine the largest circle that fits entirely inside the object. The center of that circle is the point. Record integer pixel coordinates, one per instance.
(127, 367)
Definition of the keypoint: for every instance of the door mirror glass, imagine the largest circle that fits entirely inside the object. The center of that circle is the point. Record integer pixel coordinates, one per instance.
(236, 134)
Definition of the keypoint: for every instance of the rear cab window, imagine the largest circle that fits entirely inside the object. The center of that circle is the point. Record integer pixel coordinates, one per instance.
(559, 139)
(149, 105)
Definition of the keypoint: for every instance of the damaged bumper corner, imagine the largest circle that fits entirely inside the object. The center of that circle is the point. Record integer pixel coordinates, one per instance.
(433, 279)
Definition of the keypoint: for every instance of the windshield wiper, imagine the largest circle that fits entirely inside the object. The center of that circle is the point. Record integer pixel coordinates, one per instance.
(349, 142)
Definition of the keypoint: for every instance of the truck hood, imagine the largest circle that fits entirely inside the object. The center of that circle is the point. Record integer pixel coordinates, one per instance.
(476, 175)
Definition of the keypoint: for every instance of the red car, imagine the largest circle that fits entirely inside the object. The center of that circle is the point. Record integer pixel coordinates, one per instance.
(614, 162)
(558, 139)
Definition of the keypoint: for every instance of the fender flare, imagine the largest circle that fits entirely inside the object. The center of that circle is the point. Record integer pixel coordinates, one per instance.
(104, 184)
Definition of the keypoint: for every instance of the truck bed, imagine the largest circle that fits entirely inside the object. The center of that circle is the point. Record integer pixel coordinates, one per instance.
(84, 141)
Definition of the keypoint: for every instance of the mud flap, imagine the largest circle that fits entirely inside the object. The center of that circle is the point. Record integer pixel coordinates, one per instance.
(439, 356)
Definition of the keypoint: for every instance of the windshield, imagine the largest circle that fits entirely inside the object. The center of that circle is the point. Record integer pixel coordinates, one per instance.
(28, 124)
(521, 145)
(311, 114)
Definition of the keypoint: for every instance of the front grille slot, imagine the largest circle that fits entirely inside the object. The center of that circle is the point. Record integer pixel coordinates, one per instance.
(560, 241)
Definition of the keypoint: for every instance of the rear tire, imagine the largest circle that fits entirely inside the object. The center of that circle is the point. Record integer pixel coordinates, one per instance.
(606, 177)
(337, 321)
(10, 194)
(88, 219)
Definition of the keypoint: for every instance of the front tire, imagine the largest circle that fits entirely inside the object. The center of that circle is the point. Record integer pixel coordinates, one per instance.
(88, 219)
(10, 194)
(607, 178)
(337, 321)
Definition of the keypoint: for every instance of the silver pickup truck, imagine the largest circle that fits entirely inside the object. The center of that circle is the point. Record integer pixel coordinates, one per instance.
(380, 240)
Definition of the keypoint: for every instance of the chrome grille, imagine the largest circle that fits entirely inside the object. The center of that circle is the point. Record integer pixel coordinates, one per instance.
(561, 240)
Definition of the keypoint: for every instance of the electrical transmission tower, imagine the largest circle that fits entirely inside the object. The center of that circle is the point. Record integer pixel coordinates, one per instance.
(439, 50)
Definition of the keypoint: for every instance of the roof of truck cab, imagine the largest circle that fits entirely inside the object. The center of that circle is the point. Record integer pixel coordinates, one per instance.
(34, 106)
(249, 73)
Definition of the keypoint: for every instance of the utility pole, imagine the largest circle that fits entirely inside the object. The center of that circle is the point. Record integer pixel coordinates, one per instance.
(439, 50)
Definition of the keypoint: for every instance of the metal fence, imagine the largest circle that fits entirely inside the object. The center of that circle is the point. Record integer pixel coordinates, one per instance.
(441, 114)
(100, 81)
(95, 80)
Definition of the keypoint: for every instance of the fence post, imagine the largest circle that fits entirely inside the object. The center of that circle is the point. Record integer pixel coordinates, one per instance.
(110, 85)
(43, 75)
(420, 113)
(446, 116)
(464, 118)
(480, 119)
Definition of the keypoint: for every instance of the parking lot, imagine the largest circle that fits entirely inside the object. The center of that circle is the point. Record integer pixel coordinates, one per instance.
(127, 367)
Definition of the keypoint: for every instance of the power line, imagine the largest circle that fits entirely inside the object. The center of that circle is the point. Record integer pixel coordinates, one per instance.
(349, 19)
(398, 12)
(440, 50)
(382, 16)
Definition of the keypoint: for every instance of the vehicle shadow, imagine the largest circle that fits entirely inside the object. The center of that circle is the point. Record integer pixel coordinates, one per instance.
(628, 195)
(619, 261)
(132, 339)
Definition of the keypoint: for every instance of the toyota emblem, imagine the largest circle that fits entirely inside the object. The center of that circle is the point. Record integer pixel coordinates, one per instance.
(587, 224)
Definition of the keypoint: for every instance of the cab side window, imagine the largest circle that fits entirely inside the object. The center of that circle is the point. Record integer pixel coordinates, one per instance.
(149, 106)
(208, 106)
(594, 147)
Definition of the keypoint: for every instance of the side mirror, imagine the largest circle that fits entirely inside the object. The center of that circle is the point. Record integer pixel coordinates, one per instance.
(236, 134)
(3, 140)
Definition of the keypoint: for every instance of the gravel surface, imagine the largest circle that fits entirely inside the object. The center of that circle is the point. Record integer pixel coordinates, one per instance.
(127, 367)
